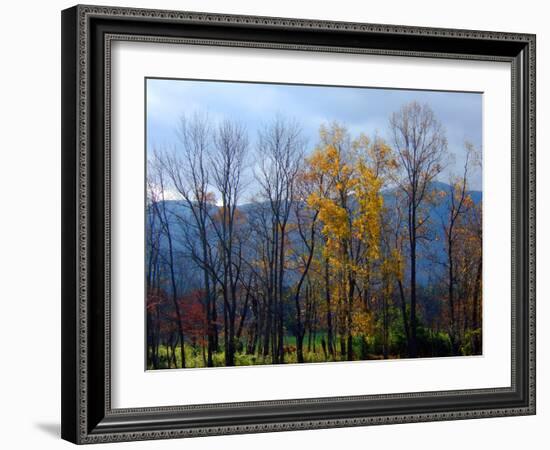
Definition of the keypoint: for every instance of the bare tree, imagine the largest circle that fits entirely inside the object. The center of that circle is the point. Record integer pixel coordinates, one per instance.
(456, 205)
(262, 264)
(306, 224)
(227, 161)
(154, 294)
(189, 174)
(280, 151)
(156, 172)
(420, 144)
(459, 204)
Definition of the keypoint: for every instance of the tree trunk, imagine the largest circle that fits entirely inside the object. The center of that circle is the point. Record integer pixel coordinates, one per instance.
(300, 347)
(350, 318)
(215, 332)
(343, 347)
(451, 292)
(209, 327)
(412, 227)
(175, 300)
(404, 312)
(476, 313)
(330, 338)
(280, 292)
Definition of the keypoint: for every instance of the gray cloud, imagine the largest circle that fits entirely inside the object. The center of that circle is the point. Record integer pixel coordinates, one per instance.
(361, 109)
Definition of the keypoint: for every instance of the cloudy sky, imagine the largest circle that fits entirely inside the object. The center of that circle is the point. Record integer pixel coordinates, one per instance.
(364, 110)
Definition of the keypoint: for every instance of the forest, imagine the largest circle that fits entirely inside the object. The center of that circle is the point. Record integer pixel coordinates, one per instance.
(266, 249)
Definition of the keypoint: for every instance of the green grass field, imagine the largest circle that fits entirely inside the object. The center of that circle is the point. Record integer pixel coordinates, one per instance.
(194, 357)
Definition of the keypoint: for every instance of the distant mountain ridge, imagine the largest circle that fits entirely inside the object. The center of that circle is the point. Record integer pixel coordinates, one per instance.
(426, 269)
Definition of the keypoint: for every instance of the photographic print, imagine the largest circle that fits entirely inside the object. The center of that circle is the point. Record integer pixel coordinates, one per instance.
(307, 223)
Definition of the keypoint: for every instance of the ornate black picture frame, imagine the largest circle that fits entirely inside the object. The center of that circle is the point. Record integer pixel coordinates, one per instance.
(87, 34)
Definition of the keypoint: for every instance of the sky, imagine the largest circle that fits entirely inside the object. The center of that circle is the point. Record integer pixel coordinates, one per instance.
(361, 109)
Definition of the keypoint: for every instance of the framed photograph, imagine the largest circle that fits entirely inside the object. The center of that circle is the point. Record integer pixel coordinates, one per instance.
(280, 224)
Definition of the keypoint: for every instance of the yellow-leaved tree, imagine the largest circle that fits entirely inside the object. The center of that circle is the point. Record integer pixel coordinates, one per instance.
(349, 202)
